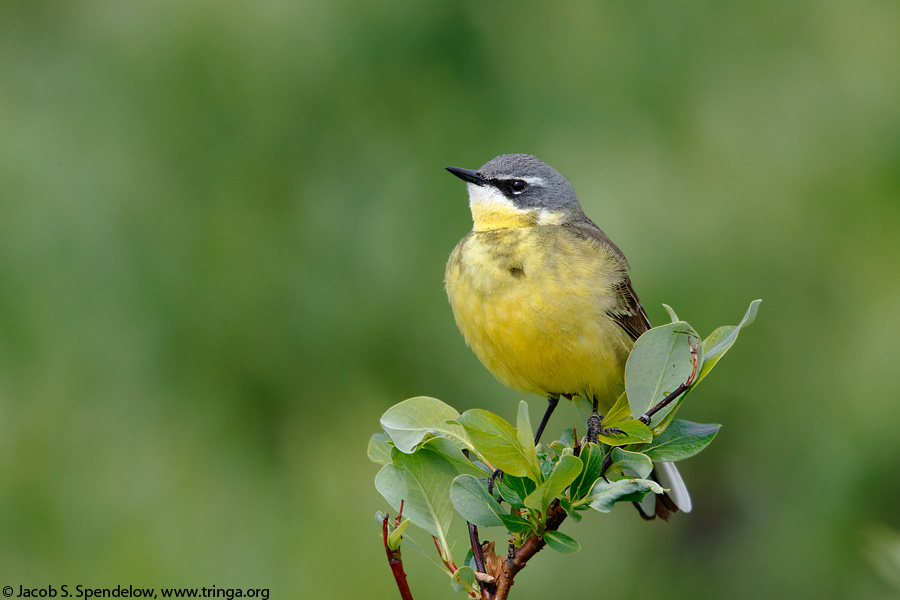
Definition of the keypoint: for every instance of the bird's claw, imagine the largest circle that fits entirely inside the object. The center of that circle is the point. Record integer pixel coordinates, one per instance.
(610, 431)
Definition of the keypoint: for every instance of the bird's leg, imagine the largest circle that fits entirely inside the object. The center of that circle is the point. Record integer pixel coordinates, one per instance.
(595, 426)
(552, 401)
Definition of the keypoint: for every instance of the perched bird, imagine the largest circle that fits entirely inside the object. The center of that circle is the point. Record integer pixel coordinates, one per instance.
(543, 297)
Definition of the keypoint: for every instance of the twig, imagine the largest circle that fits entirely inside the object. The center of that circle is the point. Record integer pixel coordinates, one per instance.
(606, 464)
(448, 562)
(394, 559)
(477, 553)
(555, 516)
(487, 587)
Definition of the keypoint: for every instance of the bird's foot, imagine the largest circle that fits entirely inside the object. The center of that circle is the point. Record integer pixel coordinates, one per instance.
(495, 476)
(595, 428)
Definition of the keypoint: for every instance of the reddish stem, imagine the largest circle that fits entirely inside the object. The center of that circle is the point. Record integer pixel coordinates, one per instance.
(555, 516)
(395, 562)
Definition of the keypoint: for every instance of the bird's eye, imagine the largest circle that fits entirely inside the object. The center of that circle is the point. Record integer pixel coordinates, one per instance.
(518, 186)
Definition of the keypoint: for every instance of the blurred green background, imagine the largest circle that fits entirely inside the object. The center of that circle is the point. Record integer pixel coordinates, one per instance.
(223, 229)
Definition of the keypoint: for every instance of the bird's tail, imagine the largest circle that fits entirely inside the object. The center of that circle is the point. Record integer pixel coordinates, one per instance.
(675, 499)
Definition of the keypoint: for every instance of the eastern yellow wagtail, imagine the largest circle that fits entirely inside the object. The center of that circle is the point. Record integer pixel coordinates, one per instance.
(543, 296)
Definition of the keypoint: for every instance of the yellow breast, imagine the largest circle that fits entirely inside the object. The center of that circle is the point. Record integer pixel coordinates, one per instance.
(532, 304)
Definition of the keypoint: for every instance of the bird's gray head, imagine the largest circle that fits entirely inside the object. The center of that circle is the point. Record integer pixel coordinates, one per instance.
(516, 186)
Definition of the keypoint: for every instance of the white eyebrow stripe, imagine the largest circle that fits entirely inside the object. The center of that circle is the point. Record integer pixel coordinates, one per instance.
(533, 180)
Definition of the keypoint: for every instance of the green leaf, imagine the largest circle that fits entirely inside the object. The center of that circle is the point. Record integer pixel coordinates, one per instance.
(427, 476)
(558, 447)
(662, 419)
(472, 501)
(561, 542)
(469, 559)
(671, 312)
(395, 537)
(570, 510)
(681, 439)
(463, 579)
(606, 493)
(497, 441)
(516, 524)
(379, 450)
(618, 412)
(635, 461)
(390, 483)
(563, 474)
(514, 489)
(660, 361)
(568, 438)
(410, 421)
(525, 434)
(583, 408)
(719, 341)
(449, 450)
(546, 466)
(591, 467)
(634, 432)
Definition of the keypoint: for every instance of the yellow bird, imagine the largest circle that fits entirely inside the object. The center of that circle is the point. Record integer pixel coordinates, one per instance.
(542, 295)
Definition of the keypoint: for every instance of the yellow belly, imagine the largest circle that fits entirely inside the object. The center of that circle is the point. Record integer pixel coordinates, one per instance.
(532, 304)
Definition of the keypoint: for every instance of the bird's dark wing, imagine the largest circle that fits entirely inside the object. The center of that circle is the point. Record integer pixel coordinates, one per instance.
(628, 312)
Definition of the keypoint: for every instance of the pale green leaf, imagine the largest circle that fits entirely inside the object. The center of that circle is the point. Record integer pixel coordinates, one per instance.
(472, 501)
(412, 420)
(635, 461)
(681, 439)
(557, 447)
(428, 476)
(390, 483)
(719, 341)
(633, 432)
(450, 451)
(525, 435)
(583, 409)
(619, 411)
(606, 493)
(463, 579)
(882, 548)
(379, 450)
(516, 524)
(660, 361)
(671, 312)
(568, 438)
(497, 441)
(395, 537)
(564, 473)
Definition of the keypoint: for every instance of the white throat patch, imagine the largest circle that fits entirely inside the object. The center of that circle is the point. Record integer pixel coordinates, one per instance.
(489, 197)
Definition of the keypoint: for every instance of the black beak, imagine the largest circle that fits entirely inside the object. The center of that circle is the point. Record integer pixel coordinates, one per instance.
(468, 175)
